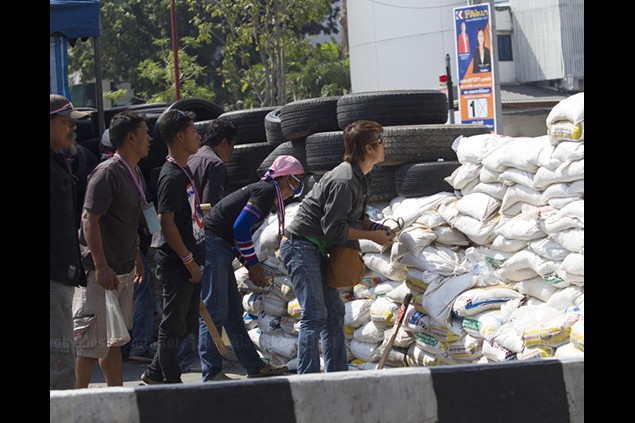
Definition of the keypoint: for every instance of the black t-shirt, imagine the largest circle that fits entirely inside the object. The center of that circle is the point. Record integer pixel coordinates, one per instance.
(177, 194)
(222, 216)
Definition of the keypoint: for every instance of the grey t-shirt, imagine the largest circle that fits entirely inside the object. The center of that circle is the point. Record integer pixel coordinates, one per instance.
(112, 193)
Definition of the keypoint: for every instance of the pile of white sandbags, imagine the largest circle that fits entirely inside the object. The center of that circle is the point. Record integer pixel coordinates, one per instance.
(496, 268)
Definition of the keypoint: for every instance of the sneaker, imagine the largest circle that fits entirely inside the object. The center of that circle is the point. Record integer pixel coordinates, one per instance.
(270, 370)
(145, 357)
(146, 379)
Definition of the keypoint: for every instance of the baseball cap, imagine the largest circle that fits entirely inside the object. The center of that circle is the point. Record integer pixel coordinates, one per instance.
(62, 106)
(105, 138)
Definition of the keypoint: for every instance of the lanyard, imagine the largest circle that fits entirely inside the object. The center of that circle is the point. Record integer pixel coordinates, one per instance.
(171, 160)
(136, 179)
(279, 209)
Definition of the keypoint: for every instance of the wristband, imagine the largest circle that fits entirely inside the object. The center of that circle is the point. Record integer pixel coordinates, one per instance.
(187, 259)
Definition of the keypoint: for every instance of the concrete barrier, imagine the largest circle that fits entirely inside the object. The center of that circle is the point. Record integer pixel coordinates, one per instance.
(547, 390)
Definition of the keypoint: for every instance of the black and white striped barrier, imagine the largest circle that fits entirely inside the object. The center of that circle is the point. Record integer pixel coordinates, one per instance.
(546, 390)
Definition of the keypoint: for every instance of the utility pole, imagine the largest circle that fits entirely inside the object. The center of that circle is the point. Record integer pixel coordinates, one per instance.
(448, 74)
(175, 51)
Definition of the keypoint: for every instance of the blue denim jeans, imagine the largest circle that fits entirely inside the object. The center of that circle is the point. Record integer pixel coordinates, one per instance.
(143, 318)
(220, 294)
(322, 308)
(181, 300)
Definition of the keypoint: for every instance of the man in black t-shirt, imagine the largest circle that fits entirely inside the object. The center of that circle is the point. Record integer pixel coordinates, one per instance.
(180, 251)
(228, 234)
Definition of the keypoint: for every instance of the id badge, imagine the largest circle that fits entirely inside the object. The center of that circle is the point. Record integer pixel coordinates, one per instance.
(152, 219)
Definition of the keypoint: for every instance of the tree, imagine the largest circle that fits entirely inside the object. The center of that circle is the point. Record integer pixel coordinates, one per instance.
(255, 37)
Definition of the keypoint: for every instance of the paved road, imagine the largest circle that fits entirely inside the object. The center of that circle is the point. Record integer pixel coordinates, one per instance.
(132, 370)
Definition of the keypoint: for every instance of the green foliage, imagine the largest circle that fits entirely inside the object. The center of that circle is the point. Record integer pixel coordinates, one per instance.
(238, 53)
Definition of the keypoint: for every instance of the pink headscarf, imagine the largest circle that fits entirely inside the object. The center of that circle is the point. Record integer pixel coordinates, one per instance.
(282, 166)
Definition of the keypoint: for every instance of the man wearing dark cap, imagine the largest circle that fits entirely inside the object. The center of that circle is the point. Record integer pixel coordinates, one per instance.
(65, 269)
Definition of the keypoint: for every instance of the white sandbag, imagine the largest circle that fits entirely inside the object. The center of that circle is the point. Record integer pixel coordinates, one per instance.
(535, 353)
(415, 238)
(281, 343)
(252, 303)
(568, 351)
(549, 249)
(383, 311)
(290, 326)
(269, 324)
(372, 279)
(570, 109)
(513, 176)
(473, 149)
(411, 208)
(396, 357)
(571, 278)
(468, 348)
(462, 175)
(559, 203)
(418, 357)
(478, 206)
(525, 227)
(507, 245)
(398, 294)
(430, 344)
(566, 172)
(416, 321)
(546, 159)
(507, 275)
(447, 235)
(437, 259)
(366, 351)
(522, 194)
(570, 216)
(357, 312)
(266, 236)
(490, 176)
(397, 250)
(563, 131)
(553, 332)
(574, 264)
(449, 333)
(478, 232)
(440, 296)
(273, 305)
(577, 334)
(370, 332)
(404, 337)
(254, 335)
(571, 239)
(564, 298)
(560, 190)
(293, 308)
(385, 288)
(494, 189)
(429, 219)
(565, 151)
(513, 210)
(250, 321)
(362, 292)
(577, 187)
(477, 300)
(368, 246)
(527, 259)
(536, 287)
(495, 352)
(245, 284)
(520, 153)
(483, 325)
(380, 263)
(418, 280)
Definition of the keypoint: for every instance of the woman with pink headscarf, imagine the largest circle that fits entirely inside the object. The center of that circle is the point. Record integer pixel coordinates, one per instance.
(228, 233)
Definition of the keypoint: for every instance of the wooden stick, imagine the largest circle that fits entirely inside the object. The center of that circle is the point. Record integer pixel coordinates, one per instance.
(402, 313)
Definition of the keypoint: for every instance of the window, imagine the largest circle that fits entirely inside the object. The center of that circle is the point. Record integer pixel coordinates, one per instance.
(505, 48)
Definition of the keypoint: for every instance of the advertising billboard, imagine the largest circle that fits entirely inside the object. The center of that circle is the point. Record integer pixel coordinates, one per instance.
(475, 68)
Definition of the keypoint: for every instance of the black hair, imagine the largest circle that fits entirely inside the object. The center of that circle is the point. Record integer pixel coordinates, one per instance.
(122, 124)
(173, 122)
(218, 129)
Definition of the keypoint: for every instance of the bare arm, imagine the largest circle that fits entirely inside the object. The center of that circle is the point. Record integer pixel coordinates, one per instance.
(174, 240)
(106, 277)
(382, 237)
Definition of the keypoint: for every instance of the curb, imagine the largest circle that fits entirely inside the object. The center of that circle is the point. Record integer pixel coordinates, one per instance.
(545, 390)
